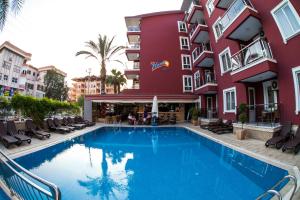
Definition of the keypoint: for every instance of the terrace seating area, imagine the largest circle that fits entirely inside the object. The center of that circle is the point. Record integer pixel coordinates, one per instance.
(15, 134)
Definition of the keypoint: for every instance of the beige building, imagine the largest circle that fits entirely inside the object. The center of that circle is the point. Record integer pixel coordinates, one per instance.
(89, 85)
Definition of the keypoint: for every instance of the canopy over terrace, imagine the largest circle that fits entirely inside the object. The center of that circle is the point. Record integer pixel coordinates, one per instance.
(92, 101)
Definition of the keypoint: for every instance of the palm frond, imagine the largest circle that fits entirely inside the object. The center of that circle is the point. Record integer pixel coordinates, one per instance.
(117, 61)
(92, 45)
(87, 53)
(4, 8)
(116, 50)
(16, 6)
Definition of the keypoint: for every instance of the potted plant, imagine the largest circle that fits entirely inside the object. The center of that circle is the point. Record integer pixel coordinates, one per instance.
(195, 114)
(241, 133)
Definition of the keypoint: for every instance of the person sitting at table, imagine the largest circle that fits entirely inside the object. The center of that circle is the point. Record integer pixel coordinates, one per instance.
(131, 119)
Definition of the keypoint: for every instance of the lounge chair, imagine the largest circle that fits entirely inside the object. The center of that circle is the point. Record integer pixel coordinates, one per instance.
(7, 140)
(293, 143)
(57, 123)
(80, 120)
(72, 122)
(52, 127)
(280, 137)
(66, 123)
(212, 124)
(34, 130)
(224, 128)
(18, 134)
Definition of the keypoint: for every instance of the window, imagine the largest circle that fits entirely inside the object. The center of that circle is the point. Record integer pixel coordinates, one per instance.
(6, 65)
(17, 69)
(14, 80)
(217, 28)
(296, 76)
(287, 19)
(182, 26)
(29, 86)
(210, 6)
(186, 62)
(187, 83)
(184, 43)
(5, 77)
(0, 76)
(229, 100)
(225, 60)
(28, 72)
(197, 79)
(33, 74)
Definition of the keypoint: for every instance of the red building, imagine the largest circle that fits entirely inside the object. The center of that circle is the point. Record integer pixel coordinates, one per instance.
(220, 53)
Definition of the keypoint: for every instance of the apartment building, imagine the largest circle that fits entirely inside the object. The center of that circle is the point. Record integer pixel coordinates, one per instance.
(88, 85)
(12, 60)
(16, 75)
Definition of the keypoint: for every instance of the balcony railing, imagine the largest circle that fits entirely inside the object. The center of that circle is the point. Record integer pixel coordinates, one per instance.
(199, 50)
(193, 3)
(195, 25)
(208, 113)
(133, 66)
(134, 46)
(234, 11)
(262, 114)
(254, 52)
(133, 29)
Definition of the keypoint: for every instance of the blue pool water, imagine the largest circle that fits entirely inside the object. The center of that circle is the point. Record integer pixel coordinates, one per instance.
(3, 196)
(150, 163)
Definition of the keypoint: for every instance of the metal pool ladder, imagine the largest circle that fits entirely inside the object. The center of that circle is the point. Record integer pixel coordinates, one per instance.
(24, 184)
(276, 193)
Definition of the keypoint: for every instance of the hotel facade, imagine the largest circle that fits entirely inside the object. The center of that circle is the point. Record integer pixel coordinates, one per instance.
(218, 54)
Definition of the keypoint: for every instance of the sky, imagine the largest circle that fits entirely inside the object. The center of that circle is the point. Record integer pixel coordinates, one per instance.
(54, 30)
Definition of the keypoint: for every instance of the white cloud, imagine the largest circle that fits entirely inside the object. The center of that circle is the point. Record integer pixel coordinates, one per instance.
(53, 31)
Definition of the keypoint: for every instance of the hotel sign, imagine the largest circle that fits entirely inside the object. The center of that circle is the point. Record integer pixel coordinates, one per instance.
(158, 65)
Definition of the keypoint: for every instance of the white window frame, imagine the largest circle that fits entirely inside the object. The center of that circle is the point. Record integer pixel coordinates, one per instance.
(279, 6)
(232, 89)
(181, 43)
(197, 72)
(295, 71)
(180, 23)
(214, 30)
(183, 83)
(183, 65)
(267, 84)
(207, 7)
(221, 63)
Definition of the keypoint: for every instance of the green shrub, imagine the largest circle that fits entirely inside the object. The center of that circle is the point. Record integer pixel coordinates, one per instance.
(243, 117)
(194, 113)
(39, 109)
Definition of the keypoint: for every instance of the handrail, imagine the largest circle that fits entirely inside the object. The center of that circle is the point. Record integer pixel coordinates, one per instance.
(246, 3)
(246, 47)
(21, 185)
(273, 190)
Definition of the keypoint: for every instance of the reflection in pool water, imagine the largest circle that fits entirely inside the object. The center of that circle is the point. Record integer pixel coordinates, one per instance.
(150, 163)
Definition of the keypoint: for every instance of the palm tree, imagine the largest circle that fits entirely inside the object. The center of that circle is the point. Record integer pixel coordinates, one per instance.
(5, 5)
(116, 79)
(103, 51)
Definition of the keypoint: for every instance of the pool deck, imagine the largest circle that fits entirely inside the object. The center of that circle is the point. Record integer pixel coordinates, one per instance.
(252, 147)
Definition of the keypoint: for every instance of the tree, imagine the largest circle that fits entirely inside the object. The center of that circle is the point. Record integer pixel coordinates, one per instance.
(116, 79)
(103, 51)
(6, 6)
(55, 87)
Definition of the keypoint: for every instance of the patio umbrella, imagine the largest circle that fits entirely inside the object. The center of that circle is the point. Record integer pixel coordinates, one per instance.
(154, 110)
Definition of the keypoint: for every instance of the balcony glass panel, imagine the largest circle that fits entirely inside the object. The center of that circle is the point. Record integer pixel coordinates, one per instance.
(133, 29)
(254, 52)
(233, 11)
(134, 46)
(199, 50)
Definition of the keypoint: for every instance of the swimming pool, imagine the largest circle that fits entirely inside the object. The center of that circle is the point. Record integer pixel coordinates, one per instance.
(150, 163)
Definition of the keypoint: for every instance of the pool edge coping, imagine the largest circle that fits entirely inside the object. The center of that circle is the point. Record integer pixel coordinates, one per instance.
(292, 169)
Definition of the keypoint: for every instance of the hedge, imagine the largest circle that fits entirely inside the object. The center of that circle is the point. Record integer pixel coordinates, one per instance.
(39, 108)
